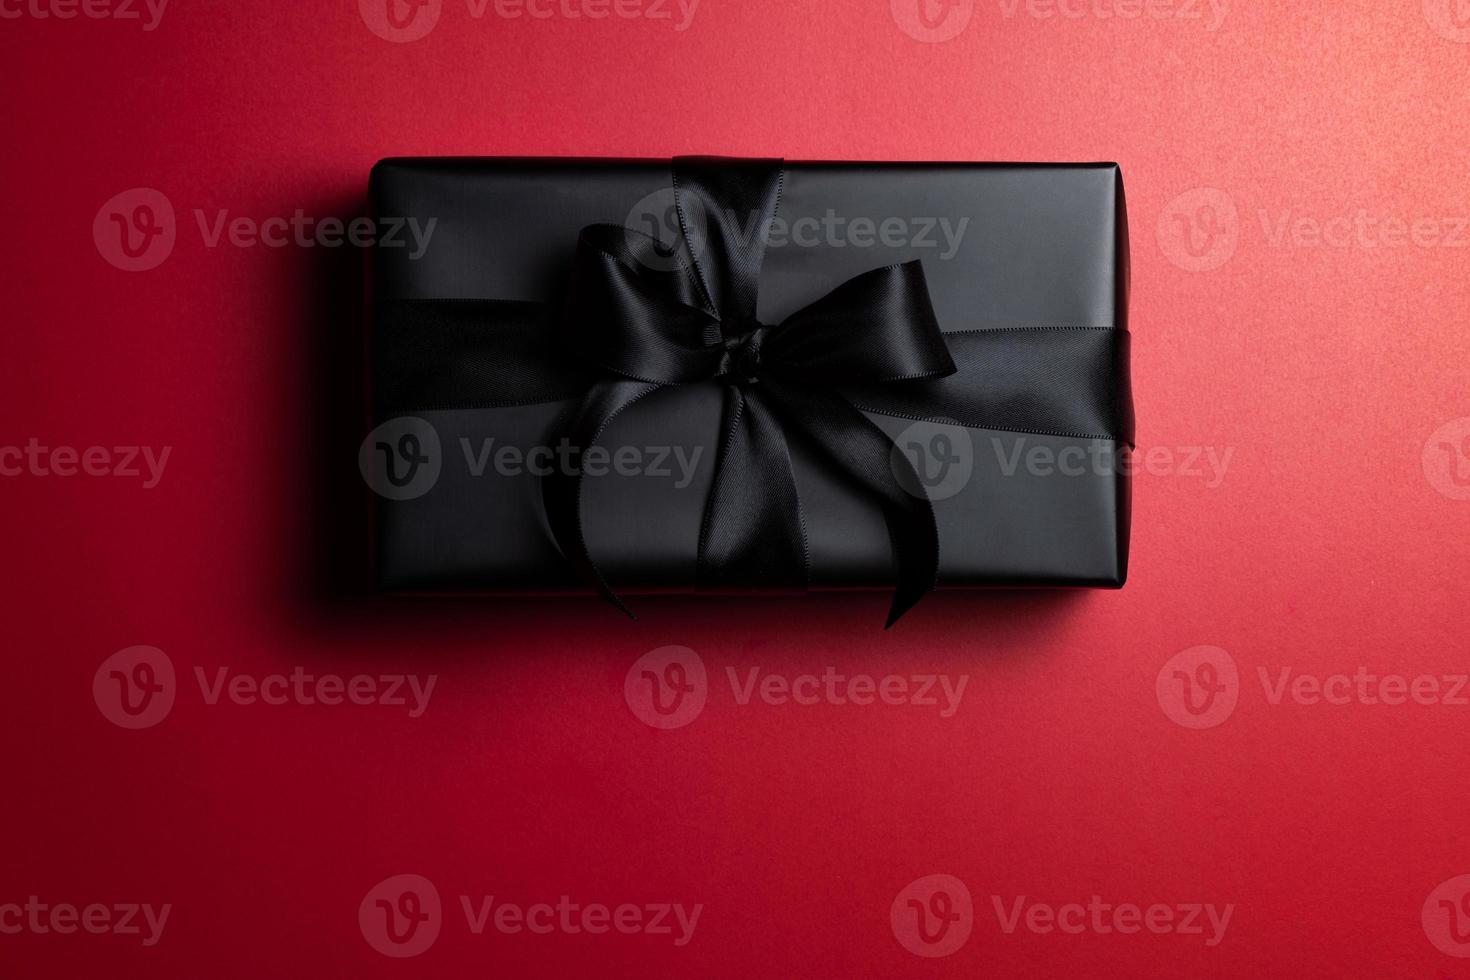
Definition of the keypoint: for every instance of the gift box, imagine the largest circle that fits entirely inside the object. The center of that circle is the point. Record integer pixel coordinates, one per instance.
(731, 375)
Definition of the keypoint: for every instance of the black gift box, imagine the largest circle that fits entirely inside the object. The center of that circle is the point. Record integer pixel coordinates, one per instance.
(1026, 268)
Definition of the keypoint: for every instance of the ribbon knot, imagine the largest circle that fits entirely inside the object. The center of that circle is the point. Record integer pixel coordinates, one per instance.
(743, 354)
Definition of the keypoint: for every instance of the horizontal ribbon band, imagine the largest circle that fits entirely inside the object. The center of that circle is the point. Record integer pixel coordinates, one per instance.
(474, 353)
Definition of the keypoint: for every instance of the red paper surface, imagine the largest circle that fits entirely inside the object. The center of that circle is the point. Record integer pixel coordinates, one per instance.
(1319, 356)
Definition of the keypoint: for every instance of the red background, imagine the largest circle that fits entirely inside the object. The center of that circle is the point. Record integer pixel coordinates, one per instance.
(1325, 369)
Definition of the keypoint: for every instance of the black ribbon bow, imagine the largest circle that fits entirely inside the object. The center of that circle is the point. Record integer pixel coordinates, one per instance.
(639, 317)
(653, 325)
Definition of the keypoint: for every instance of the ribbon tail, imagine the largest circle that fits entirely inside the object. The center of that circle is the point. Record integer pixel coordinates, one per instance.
(753, 534)
(561, 492)
(867, 455)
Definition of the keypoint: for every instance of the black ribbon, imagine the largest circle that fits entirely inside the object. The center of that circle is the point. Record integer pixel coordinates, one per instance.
(640, 316)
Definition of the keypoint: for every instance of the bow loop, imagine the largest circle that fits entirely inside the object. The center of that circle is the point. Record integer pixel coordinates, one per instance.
(634, 309)
(876, 327)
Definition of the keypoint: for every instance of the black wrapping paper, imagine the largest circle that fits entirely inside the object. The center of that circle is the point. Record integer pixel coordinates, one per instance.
(1003, 247)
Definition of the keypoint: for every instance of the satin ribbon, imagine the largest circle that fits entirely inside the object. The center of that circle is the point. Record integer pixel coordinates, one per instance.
(634, 321)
